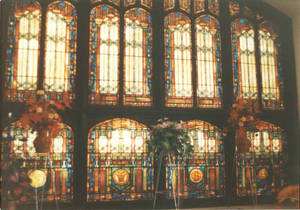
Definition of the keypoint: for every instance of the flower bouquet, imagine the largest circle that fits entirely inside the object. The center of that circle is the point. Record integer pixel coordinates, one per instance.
(168, 139)
(43, 117)
(242, 118)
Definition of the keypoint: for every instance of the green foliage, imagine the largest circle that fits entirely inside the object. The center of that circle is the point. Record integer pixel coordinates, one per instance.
(170, 138)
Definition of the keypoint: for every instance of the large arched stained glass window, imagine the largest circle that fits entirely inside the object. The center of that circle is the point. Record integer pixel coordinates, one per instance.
(118, 165)
(204, 174)
(104, 55)
(260, 171)
(270, 65)
(137, 58)
(178, 61)
(244, 65)
(23, 51)
(60, 55)
(209, 68)
(51, 174)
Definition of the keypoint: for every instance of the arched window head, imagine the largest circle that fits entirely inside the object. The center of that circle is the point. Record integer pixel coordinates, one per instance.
(270, 65)
(138, 58)
(23, 51)
(118, 165)
(261, 170)
(178, 61)
(209, 67)
(51, 174)
(203, 176)
(244, 64)
(104, 55)
(60, 54)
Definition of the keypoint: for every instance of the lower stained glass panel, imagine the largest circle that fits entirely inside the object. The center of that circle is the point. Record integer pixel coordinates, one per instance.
(260, 171)
(51, 173)
(118, 165)
(204, 174)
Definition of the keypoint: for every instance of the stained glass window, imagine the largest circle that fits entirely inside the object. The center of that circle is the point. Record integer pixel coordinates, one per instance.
(244, 65)
(204, 174)
(185, 5)
(23, 51)
(260, 171)
(213, 6)
(169, 4)
(104, 52)
(147, 3)
(138, 61)
(56, 167)
(178, 64)
(116, 2)
(209, 68)
(60, 56)
(234, 7)
(118, 165)
(129, 2)
(271, 69)
(199, 6)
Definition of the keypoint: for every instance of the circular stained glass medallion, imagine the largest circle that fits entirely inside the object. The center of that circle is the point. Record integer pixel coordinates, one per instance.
(121, 177)
(196, 175)
(262, 174)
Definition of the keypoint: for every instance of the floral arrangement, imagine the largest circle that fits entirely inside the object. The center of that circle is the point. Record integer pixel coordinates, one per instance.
(15, 181)
(169, 138)
(242, 118)
(42, 116)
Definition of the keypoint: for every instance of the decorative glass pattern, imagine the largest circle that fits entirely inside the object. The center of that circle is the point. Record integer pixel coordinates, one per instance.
(271, 69)
(118, 165)
(147, 3)
(213, 6)
(260, 171)
(137, 59)
(209, 67)
(116, 2)
(60, 56)
(185, 5)
(169, 4)
(129, 2)
(244, 65)
(204, 174)
(199, 6)
(178, 65)
(234, 7)
(23, 52)
(104, 53)
(57, 166)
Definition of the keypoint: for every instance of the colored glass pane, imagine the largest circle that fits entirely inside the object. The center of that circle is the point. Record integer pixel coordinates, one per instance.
(104, 52)
(178, 65)
(271, 69)
(129, 2)
(261, 170)
(245, 81)
(204, 174)
(234, 7)
(118, 165)
(147, 3)
(60, 55)
(56, 166)
(23, 52)
(169, 4)
(213, 6)
(185, 5)
(209, 67)
(116, 2)
(199, 6)
(137, 59)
